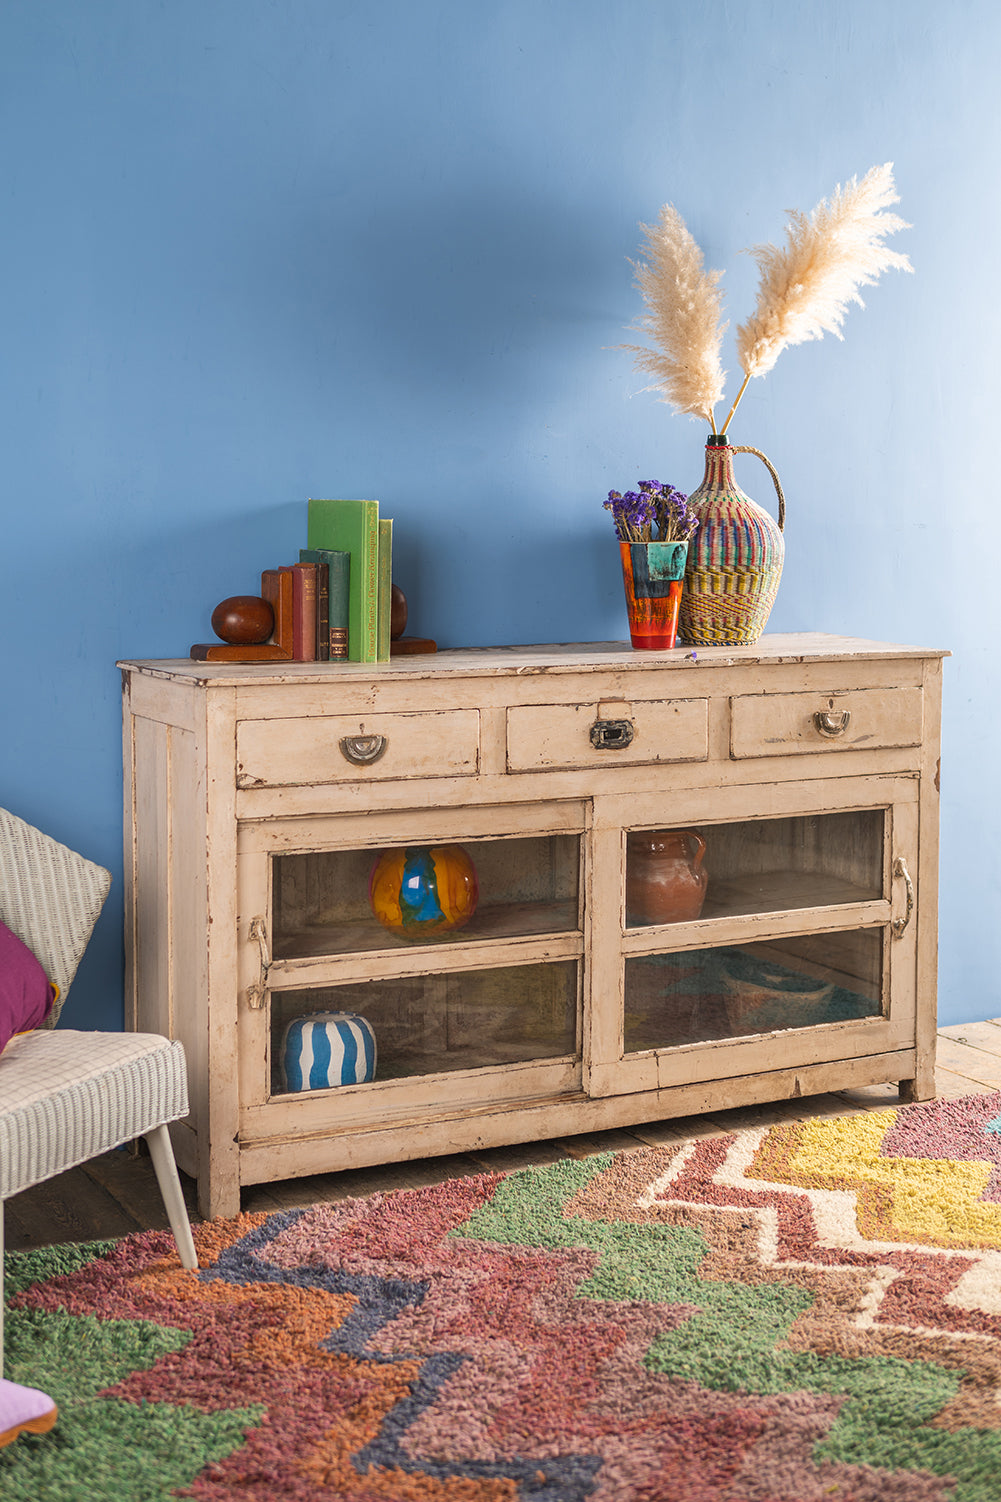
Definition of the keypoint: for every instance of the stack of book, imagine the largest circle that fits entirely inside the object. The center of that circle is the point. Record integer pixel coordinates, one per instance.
(336, 602)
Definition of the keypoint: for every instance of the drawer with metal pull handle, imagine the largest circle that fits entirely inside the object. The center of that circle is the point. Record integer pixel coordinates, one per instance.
(559, 737)
(347, 748)
(865, 719)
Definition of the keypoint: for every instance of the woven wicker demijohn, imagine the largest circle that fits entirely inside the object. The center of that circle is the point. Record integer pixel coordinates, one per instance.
(735, 557)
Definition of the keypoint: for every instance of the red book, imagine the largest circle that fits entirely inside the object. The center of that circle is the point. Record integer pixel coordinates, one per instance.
(303, 611)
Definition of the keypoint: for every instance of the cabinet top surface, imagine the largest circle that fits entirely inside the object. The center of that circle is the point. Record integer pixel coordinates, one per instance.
(567, 657)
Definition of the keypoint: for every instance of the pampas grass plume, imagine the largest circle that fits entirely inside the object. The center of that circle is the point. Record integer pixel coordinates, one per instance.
(804, 291)
(682, 318)
(807, 285)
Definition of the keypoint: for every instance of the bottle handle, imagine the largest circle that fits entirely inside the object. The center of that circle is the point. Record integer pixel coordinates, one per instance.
(743, 449)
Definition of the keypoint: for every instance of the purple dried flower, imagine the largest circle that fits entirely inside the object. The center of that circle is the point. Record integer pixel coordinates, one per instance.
(633, 514)
(653, 513)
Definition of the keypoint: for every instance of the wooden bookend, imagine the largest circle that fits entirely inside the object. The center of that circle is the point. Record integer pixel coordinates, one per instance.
(220, 651)
(276, 588)
(404, 645)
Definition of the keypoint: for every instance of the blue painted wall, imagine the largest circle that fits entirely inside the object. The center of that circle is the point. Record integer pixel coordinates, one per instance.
(254, 250)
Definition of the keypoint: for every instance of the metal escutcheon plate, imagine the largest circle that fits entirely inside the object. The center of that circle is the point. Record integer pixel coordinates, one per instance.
(611, 735)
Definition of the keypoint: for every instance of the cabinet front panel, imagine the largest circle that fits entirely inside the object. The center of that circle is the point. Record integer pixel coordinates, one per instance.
(351, 748)
(334, 902)
(796, 981)
(755, 866)
(867, 719)
(442, 1024)
(606, 734)
(790, 937)
(464, 961)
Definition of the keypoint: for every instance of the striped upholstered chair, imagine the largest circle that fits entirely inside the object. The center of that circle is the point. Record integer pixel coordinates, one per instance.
(66, 1096)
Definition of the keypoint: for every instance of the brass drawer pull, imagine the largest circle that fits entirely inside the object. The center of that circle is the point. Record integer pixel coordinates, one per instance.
(611, 735)
(900, 869)
(831, 723)
(362, 750)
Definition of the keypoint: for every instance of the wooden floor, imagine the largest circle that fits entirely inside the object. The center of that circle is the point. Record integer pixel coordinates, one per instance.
(117, 1193)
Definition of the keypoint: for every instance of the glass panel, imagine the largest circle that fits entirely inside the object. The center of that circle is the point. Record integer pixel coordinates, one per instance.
(802, 981)
(429, 1024)
(515, 887)
(757, 866)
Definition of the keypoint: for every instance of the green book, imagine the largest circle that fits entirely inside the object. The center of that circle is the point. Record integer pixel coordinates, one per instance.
(385, 585)
(334, 568)
(353, 527)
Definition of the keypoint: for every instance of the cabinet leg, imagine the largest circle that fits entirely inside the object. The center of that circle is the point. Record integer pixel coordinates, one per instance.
(921, 1087)
(218, 1201)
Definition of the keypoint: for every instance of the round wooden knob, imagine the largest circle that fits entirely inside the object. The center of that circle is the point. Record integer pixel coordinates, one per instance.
(243, 620)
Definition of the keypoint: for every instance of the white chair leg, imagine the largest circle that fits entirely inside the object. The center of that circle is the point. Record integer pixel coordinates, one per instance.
(162, 1154)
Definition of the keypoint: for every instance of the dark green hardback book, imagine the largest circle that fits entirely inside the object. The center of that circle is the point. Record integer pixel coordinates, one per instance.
(334, 567)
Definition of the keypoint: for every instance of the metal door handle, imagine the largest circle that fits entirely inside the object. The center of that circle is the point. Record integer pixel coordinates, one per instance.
(900, 869)
(257, 993)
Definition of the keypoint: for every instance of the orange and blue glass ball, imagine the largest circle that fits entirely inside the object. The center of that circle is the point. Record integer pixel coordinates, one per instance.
(423, 890)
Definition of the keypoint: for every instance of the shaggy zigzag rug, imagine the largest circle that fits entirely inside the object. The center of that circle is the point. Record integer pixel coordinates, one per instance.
(806, 1313)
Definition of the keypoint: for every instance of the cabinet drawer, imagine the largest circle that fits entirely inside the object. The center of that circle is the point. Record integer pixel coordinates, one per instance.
(550, 737)
(868, 719)
(333, 748)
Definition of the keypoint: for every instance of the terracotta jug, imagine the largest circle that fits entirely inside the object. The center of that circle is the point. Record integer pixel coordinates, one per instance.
(665, 879)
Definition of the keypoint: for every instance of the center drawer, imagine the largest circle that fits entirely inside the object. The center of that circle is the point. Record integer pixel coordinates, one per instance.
(553, 737)
(350, 748)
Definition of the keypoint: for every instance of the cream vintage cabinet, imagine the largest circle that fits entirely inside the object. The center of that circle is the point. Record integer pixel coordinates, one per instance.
(802, 772)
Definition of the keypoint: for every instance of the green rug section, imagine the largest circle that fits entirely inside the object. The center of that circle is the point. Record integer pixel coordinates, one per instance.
(127, 1452)
(23, 1268)
(730, 1342)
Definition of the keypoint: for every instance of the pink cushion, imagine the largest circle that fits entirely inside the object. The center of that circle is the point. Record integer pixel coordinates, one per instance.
(26, 996)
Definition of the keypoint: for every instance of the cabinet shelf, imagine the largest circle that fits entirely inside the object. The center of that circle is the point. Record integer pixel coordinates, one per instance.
(756, 866)
(452, 1021)
(803, 981)
(781, 892)
(511, 920)
(410, 1064)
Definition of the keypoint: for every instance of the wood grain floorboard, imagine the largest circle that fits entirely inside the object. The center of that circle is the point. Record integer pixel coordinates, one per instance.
(117, 1193)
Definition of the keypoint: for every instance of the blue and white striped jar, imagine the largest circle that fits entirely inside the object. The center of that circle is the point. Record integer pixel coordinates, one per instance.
(327, 1048)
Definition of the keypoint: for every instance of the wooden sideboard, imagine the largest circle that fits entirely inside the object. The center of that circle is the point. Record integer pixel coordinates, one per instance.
(258, 797)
